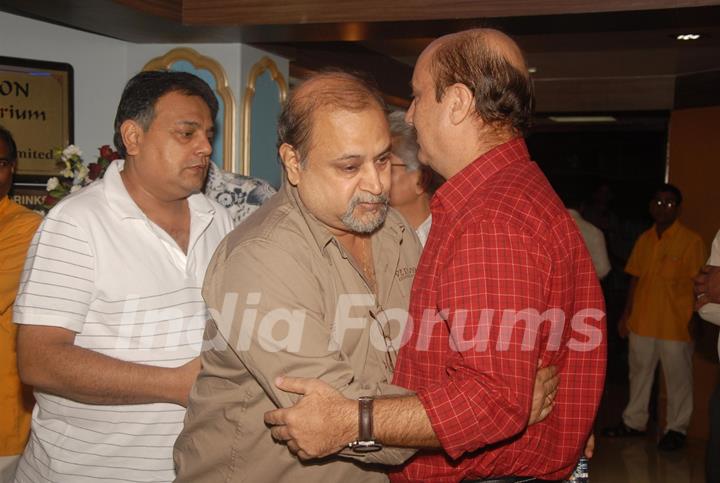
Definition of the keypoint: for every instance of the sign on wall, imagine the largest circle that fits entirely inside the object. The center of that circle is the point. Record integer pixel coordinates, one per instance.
(36, 106)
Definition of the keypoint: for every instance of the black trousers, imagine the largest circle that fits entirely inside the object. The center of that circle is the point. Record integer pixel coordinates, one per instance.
(511, 479)
(712, 459)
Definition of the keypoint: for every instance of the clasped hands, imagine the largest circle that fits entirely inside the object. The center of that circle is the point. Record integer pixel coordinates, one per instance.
(707, 286)
(324, 421)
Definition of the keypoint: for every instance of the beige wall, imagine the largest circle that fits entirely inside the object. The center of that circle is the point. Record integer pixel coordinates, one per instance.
(694, 166)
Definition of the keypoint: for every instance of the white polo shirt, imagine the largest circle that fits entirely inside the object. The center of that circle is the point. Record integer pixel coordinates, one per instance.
(99, 267)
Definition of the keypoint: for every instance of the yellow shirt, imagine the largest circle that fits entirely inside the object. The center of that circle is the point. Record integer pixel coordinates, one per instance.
(17, 227)
(665, 267)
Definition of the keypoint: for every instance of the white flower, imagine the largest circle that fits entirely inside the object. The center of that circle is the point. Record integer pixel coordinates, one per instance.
(52, 183)
(67, 173)
(74, 188)
(71, 151)
(81, 174)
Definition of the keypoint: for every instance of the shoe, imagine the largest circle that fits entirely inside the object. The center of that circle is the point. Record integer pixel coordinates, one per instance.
(622, 431)
(673, 440)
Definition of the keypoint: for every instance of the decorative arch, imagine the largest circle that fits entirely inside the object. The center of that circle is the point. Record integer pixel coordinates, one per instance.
(257, 70)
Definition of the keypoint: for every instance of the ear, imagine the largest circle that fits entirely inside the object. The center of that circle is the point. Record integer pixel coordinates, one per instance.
(461, 102)
(421, 182)
(291, 161)
(132, 134)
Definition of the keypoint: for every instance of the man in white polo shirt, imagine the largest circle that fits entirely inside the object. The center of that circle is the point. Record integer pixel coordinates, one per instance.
(109, 304)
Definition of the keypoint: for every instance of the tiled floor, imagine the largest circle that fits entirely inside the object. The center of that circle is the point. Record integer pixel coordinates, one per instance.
(637, 460)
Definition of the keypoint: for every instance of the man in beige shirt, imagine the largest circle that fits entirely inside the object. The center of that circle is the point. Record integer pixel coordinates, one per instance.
(314, 284)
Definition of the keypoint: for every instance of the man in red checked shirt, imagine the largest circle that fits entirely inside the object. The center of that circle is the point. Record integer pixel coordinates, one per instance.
(505, 281)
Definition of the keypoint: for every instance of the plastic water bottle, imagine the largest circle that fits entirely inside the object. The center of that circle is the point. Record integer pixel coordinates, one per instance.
(582, 472)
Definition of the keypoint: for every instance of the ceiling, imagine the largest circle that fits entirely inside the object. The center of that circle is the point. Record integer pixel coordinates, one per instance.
(614, 56)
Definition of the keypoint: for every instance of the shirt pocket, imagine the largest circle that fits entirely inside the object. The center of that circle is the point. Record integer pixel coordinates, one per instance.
(671, 266)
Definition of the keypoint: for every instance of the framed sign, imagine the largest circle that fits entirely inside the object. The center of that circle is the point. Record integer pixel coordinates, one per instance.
(188, 60)
(36, 106)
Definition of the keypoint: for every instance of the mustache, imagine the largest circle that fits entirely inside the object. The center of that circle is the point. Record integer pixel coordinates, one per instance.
(382, 198)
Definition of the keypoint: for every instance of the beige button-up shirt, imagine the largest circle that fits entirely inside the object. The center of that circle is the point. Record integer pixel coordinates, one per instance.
(286, 299)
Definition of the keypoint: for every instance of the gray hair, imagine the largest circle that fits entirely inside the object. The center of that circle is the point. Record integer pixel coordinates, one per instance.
(405, 144)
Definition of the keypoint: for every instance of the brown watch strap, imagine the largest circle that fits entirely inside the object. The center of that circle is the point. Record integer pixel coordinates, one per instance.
(365, 416)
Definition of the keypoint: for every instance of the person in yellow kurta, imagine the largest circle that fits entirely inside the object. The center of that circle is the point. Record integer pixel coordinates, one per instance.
(17, 227)
(660, 303)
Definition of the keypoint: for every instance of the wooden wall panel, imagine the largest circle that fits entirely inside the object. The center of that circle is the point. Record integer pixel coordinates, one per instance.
(605, 94)
(243, 12)
(170, 9)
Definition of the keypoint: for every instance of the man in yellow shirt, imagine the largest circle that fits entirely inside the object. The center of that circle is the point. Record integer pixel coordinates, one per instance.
(17, 227)
(660, 303)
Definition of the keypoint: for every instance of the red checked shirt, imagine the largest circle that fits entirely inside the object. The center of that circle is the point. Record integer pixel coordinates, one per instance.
(502, 251)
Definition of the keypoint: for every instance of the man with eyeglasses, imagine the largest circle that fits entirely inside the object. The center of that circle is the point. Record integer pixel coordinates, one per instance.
(413, 184)
(659, 306)
(17, 226)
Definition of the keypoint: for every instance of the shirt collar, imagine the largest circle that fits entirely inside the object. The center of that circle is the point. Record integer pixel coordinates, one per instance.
(670, 232)
(456, 191)
(124, 206)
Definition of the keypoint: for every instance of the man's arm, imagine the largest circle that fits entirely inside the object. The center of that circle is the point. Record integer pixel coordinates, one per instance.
(323, 422)
(49, 361)
(599, 255)
(51, 308)
(623, 329)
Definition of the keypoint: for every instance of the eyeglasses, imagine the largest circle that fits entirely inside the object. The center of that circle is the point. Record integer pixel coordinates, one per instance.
(665, 203)
(6, 163)
(383, 324)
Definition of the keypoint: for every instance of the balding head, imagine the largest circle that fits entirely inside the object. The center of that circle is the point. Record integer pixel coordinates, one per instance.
(332, 90)
(492, 66)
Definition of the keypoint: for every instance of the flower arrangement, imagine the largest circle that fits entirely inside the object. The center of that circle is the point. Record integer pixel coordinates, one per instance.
(74, 174)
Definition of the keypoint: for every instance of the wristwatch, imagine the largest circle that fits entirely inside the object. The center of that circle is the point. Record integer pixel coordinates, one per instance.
(365, 442)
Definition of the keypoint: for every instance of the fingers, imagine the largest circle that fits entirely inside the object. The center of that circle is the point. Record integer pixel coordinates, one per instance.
(552, 383)
(553, 370)
(280, 433)
(550, 398)
(547, 373)
(545, 412)
(276, 417)
(295, 449)
(296, 385)
(590, 446)
(293, 446)
(700, 301)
